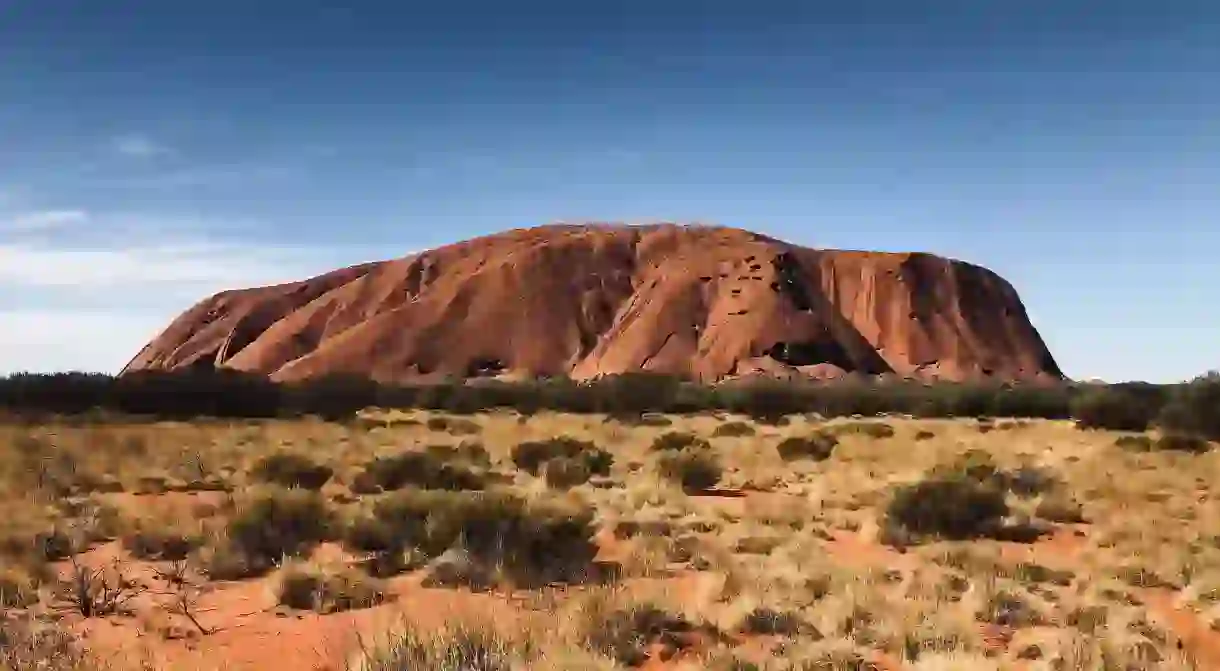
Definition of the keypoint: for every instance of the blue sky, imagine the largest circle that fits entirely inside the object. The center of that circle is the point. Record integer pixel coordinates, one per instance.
(151, 153)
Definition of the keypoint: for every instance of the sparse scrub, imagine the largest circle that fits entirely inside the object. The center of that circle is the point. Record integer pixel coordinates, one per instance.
(291, 469)
(309, 586)
(626, 632)
(693, 471)
(1178, 442)
(565, 473)
(427, 470)
(817, 446)
(267, 528)
(531, 456)
(529, 541)
(948, 506)
(675, 441)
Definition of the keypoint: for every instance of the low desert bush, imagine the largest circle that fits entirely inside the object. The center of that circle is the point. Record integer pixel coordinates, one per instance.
(692, 470)
(531, 456)
(1113, 409)
(467, 451)
(817, 446)
(427, 470)
(291, 469)
(309, 586)
(627, 632)
(1193, 409)
(674, 441)
(527, 541)
(953, 506)
(1178, 442)
(267, 528)
(564, 473)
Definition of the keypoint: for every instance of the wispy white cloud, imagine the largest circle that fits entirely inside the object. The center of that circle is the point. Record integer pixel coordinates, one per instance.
(138, 146)
(43, 220)
(69, 301)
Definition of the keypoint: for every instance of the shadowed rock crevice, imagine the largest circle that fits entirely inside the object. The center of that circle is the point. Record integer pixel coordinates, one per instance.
(587, 301)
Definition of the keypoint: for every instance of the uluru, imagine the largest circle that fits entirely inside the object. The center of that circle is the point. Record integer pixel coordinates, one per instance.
(706, 303)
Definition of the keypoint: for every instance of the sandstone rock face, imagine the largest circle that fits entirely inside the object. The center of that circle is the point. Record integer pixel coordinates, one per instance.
(587, 300)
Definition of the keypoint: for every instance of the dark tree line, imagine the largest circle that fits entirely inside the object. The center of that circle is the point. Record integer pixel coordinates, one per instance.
(1191, 407)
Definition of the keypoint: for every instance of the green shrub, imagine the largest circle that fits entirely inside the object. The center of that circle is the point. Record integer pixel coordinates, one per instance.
(973, 464)
(1190, 444)
(529, 541)
(1113, 409)
(291, 469)
(469, 452)
(1060, 507)
(564, 473)
(271, 526)
(627, 634)
(1193, 409)
(307, 586)
(1030, 480)
(815, 447)
(948, 506)
(692, 470)
(530, 456)
(674, 441)
(426, 469)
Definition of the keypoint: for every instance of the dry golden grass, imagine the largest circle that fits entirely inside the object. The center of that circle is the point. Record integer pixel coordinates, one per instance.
(782, 564)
